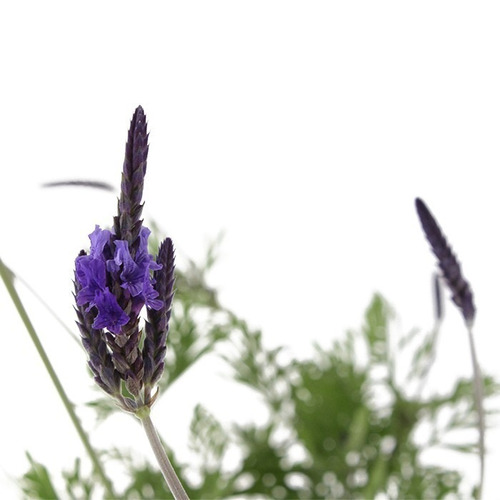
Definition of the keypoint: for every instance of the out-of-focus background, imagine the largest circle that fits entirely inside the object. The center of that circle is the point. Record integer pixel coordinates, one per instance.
(302, 131)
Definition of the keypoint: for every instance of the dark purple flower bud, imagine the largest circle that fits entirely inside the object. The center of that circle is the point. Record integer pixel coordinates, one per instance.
(100, 362)
(450, 267)
(128, 222)
(157, 323)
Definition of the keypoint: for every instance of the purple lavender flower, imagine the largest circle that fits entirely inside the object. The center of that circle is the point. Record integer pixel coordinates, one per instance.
(110, 315)
(117, 278)
(113, 283)
(134, 273)
(91, 276)
(94, 271)
(452, 273)
(91, 271)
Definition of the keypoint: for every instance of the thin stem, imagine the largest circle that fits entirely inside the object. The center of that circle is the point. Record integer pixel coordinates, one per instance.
(49, 309)
(167, 470)
(479, 400)
(431, 358)
(7, 277)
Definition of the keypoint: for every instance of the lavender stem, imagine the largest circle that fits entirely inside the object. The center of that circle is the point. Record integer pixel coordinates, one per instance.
(479, 400)
(167, 470)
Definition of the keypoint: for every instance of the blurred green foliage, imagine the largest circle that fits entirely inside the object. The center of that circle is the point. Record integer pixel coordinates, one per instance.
(36, 483)
(341, 424)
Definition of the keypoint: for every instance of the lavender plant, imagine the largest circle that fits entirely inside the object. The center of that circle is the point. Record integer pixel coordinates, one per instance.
(113, 283)
(350, 445)
(462, 296)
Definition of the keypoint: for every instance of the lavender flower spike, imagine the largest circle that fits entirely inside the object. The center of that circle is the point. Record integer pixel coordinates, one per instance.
(127, 224)
(114, 282)
(157, 324)
(462, 296)
(450, 267)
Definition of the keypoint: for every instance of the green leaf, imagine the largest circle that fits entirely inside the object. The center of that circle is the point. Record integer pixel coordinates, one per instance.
(78, 487)
(375, 329)
(37, 483)
(208, 439)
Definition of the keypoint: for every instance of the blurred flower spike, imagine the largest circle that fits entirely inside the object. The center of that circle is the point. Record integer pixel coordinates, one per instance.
(448, 263)
(113, 283)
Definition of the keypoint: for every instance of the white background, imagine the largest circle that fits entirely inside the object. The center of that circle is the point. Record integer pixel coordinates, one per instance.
(303, 130)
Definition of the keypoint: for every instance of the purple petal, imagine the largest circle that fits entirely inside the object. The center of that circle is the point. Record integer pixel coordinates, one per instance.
(142, 253)
(132, 275)
(98, 239)
(91, 274)
(150, 295)
(110, 314)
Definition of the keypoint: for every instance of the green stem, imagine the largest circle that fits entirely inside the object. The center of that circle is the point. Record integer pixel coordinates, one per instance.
(479, 399)
(8, 279)
(50, 310)
(167, 470)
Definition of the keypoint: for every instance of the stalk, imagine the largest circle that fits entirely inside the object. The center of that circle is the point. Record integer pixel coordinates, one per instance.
(167, 470)
(479, 400)
(7, 277)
